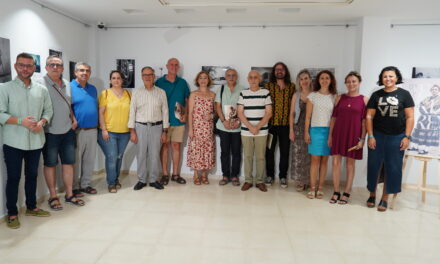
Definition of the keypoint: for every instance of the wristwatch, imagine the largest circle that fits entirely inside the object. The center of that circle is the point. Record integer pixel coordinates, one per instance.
(408, 137)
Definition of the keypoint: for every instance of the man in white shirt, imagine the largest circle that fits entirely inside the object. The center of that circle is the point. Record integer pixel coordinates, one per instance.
(148, 125)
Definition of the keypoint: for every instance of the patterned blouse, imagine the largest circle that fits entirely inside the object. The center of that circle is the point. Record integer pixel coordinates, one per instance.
(281, 100)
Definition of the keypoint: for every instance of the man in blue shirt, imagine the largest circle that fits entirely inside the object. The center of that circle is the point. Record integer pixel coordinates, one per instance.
(177, 91)
(85, 108)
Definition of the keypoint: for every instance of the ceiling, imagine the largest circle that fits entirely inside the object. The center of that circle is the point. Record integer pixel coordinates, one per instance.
(184, 12)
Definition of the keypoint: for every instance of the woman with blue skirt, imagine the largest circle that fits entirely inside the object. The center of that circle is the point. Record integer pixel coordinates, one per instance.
(318, 115)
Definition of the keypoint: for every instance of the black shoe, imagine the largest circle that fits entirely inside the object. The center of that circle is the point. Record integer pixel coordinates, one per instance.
(269, 181)
(139, 186)
(156, 185)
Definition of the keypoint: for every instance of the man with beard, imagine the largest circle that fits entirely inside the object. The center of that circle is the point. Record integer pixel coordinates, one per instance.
(281, 91)
(25, 108)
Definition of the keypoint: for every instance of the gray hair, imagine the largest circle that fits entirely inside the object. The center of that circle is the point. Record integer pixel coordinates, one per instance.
(53, 57)
(82, 64)
(147, 67)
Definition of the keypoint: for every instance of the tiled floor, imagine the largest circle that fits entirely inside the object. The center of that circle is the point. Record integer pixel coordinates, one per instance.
(214, 224)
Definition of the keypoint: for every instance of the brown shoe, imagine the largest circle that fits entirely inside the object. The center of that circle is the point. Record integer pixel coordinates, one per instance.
(246, 186)
(262, 187)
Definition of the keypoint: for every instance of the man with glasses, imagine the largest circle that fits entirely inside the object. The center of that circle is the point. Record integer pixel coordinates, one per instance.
(25, 108)
(60, 135)
(228, 126)
(148, 123)
(85, 109)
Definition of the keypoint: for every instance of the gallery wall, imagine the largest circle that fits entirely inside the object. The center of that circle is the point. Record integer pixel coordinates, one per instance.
(33, 29)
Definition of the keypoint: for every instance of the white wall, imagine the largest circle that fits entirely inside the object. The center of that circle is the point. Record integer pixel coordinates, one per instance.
(240, 48)
(33, 29)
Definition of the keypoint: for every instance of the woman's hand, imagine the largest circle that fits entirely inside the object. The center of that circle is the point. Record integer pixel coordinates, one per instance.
(190, 133)
(105, 135)
(307, 137)
(404, 144)
(329, 141)
(360, 145)
(372, 143)
(292, 135)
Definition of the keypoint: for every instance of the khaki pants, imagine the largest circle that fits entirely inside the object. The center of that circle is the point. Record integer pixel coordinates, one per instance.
(254, 146)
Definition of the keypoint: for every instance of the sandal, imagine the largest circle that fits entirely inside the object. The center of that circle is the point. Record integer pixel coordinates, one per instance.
(382, 206)
(165, 179)
(54, 204)
(346, 196)
(118, 184)
(300, 187)
(197, 180)
(235, 181)
(73, 200)
(371, 202)
(311, 193)
(334, 200)
(89, 190)
(223, 181)
(77, 193)
(112, 189)
(178, 179)
(319, 193)
(205, 180)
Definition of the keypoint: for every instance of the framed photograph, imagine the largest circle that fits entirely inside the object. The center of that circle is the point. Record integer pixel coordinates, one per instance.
(127, 67)
(265, 74)
(72, 70)
(55, 53)
(217, 74)
(37, 62)
(5, 60)
(426, 72)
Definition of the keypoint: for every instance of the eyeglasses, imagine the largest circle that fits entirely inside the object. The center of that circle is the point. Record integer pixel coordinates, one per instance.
(84, 70)
(231, 75)
(148, 75)
(53, 65)
(21, 65)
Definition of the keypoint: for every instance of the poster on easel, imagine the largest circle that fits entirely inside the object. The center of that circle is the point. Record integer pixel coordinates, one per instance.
(426, 132)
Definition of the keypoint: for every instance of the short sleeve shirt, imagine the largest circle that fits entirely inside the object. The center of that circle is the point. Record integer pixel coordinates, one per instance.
(116, 110)
(390, 110)
(227, 100)
(322, 109)
(85, 104)
(281, 101)
(177, 92)
(254, 104)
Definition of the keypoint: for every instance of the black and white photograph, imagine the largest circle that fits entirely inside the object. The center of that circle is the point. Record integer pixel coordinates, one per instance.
(37, 62)
(72, 70)
(265, 74)
(426, 72)
(217, 74)
(5, 60)
(314, 71)
(426, 132)
(230, 113)
(56, 53)
(126, 66)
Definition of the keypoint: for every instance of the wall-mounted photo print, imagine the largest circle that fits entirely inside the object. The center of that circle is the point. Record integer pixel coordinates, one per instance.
(217, 74)
(127, 68)
(5, 60)
(264, 72)
(37, 62)
(72, 70)
(426, 72)
(56, 53)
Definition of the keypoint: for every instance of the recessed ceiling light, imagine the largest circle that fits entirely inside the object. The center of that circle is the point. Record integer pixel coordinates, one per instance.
(235, 10)
(289, 10)
(184, 10)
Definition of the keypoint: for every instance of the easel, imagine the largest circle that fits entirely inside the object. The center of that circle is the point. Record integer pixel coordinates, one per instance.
(421, 180)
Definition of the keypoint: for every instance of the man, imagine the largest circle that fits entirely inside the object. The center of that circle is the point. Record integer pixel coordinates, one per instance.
(177, 91)
(254, 111)
(228, 127)
(25, 108)
(148, 123)
(85, 109)
(281, 91)
(60, 135)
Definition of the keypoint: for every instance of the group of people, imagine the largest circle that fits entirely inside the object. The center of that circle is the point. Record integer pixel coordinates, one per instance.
(307, 119)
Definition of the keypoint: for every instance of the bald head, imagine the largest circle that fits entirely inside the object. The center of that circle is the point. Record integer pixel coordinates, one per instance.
(173, 66)
(254, 79)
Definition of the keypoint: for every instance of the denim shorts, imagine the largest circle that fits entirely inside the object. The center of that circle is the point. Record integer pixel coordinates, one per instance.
(62, 145)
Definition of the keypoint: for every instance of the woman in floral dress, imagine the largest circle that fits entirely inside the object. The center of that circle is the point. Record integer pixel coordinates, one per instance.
(201, 146)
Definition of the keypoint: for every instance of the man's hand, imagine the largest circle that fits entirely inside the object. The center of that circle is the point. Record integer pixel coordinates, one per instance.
(29, 122)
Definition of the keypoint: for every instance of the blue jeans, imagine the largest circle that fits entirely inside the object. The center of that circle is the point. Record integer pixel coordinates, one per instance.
(388, 154)
(14, 159)
(113, 151)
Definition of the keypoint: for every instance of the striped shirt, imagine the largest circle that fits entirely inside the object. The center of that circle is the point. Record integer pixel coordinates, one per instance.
(148, 106)
(254, 104)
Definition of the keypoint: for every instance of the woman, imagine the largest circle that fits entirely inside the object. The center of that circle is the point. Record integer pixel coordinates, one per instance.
(347, 134)
(113, 135)
(426, 135)
(316, 129)
(201, 146)
(300, 166)
(390, 120)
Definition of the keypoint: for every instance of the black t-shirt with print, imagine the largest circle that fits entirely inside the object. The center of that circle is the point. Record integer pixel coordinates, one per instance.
(390, 114)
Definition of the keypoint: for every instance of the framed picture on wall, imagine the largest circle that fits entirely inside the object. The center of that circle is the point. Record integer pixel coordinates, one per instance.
(127, 67)
(5, 60)
(264, 72)
(55, 53)
(217, 74)
(37, 62)
(426, 72)
(72, 70)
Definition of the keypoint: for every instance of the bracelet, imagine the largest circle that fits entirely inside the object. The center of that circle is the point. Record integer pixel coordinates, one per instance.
(361, 139)
(19, 120)
(370, 136)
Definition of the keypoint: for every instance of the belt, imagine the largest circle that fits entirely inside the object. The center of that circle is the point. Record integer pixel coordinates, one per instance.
(88, 128)
(150, 123)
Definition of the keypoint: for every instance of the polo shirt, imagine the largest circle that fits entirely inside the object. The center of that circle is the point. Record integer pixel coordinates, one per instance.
(228, 99)
(85, 104)
(176, 92)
